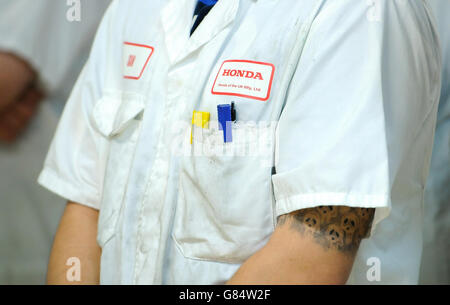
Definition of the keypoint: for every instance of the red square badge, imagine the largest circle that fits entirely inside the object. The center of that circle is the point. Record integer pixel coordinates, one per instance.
(135, 59)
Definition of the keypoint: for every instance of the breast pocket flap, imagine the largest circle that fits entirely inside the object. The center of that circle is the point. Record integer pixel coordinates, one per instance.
(115, 111)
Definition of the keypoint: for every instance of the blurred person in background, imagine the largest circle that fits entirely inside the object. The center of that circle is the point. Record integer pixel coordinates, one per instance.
(436, 253)
(42, 50)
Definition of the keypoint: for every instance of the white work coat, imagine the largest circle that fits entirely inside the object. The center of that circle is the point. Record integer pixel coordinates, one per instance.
(335, 105)
(436, 253)
(39, 33)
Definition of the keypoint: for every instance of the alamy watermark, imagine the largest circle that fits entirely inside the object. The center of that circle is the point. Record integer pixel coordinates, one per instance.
(74, 11)
(374, 272)
(374, 11)
(256, 140)
(73, 274)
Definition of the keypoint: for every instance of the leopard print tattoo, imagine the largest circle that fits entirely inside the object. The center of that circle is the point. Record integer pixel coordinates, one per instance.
(334, 227)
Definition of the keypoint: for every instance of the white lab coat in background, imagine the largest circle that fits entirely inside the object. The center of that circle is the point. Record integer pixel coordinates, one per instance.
(352, 86)
(38, 32)
(436, 253)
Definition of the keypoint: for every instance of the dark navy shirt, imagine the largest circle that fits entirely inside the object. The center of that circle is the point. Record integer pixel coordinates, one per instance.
(201, 10)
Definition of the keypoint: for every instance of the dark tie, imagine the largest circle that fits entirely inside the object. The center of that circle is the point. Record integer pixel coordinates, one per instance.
(201, 10)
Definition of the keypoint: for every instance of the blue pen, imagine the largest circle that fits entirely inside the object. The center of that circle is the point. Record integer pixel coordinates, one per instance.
(226, 114)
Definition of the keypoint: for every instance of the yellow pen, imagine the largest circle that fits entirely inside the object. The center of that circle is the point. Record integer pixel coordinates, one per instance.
(200, 119)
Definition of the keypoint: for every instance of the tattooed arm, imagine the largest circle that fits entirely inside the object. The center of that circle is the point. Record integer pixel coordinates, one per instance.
(310, 246)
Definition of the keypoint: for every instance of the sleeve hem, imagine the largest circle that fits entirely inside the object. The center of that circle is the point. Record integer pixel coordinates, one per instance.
(305, 201)
(50, 180)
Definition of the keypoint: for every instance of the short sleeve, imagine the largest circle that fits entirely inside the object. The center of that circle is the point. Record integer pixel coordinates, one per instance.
(75, 165)
(365, 83)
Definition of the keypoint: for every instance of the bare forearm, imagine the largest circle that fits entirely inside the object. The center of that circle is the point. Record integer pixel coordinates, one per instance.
(75, 238)
(311, 246)
(282, 262)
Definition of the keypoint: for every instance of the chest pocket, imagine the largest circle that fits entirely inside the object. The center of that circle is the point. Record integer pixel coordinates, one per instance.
(118, 117)
(224, 210)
